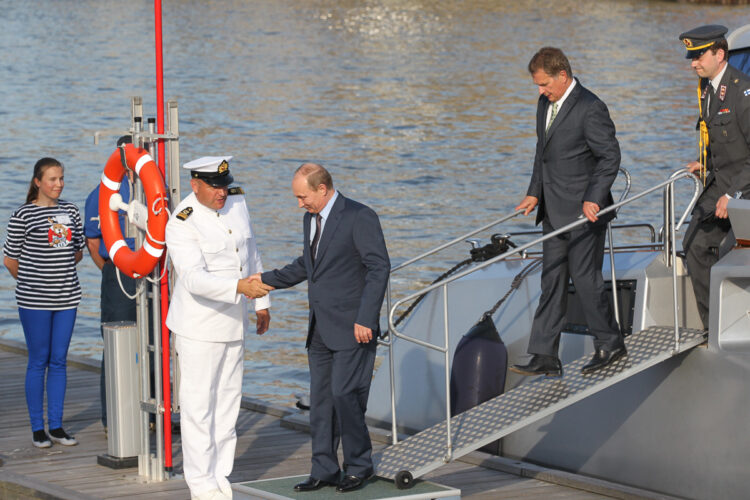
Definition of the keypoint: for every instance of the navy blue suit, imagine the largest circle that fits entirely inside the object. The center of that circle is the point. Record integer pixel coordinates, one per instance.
(346, 285)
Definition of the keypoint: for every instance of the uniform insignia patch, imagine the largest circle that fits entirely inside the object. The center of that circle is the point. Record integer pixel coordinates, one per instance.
(747, 92)
(184, 214)
(722, 92)
(236, 190)
(723, 111)
(705, 91)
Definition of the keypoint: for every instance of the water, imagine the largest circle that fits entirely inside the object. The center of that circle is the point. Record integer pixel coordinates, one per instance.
(423, 110)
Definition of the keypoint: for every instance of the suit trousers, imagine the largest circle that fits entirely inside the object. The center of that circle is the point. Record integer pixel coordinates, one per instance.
(339, 388)
(706, 240)
(577, 254)
(210, 394)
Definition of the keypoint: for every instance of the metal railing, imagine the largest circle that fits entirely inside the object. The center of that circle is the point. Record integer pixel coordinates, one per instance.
(669, 215)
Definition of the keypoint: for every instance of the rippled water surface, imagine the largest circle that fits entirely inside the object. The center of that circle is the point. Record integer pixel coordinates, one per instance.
(423, 110)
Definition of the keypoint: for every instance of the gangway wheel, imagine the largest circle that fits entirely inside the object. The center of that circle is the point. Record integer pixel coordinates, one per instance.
(404, 480)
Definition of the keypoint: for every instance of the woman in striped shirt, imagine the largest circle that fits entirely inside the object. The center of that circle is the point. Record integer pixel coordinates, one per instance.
(44, 243)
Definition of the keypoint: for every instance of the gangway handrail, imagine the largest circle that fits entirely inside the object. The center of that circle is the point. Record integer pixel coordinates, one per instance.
(667, 185)
(520, 248)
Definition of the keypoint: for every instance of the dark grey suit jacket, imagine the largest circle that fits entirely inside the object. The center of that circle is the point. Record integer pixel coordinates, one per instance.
(576, 160)
(347, 283)
(729, 141)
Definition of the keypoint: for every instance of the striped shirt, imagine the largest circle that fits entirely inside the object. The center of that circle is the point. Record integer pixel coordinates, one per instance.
(44, 241)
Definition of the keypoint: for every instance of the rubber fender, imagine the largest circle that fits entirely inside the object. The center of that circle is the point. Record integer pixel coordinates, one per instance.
(479, 367)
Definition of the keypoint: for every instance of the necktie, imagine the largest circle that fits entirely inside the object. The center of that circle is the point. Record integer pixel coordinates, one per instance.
(552, 116)
(316, 238)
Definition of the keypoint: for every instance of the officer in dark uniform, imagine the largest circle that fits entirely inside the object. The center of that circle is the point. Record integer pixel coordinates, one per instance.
(724, 161)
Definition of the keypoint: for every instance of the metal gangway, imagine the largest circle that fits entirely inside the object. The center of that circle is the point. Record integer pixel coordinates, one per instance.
(540, 397)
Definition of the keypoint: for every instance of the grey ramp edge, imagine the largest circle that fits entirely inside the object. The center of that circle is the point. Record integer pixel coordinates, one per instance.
(528, 403)
(282, 488)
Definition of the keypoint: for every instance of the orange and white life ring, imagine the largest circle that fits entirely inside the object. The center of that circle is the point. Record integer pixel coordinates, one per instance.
(141, 262)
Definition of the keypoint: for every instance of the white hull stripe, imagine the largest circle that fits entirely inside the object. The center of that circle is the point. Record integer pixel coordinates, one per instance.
(153, 251)
(110, 184)
(115, 247)
(142, 161)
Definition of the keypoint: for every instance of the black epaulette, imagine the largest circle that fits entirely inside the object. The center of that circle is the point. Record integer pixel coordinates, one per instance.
(236, 190)
(185, 213)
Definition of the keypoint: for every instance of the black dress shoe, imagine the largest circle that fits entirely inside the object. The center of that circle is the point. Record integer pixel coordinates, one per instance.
(540, 364)
(349, 483)
(603, 358)
(311, 484)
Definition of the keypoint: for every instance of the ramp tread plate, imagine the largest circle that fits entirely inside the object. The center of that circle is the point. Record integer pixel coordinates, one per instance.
(282, 488)
(527, 403)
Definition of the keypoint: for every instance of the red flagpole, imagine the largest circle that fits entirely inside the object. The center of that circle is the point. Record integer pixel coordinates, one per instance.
(166, 387)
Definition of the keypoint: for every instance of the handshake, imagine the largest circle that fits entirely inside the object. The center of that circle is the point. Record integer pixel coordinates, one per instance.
(253, 287)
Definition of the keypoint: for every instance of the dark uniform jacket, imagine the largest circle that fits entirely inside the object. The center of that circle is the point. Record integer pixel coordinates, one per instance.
(728, 137)
(576, 160)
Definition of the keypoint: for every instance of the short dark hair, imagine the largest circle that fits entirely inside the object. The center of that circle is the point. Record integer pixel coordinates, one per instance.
(315, 175)
(551, 60)
(720, 44)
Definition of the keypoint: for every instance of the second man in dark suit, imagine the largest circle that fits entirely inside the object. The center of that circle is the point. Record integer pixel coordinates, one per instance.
(577, 160)
(346, 265)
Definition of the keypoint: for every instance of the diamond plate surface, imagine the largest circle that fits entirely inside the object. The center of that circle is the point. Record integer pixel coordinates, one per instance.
(527, 403)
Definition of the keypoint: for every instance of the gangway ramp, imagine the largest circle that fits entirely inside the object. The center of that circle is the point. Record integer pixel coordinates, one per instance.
(426, 451)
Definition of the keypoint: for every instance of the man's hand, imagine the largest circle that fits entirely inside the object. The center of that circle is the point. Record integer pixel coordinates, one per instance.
(590, 209)
(528, 204)
(721, 207)
(694, 167)
(253, 287)
(362, 333)
(262, 320)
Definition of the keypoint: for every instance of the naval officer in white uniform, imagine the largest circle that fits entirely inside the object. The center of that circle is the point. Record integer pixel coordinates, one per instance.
(211, 244)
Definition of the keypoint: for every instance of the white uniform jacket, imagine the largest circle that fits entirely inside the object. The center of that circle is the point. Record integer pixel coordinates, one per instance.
(210, 251)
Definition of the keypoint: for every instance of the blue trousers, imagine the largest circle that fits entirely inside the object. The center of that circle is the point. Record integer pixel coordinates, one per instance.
(48, 336)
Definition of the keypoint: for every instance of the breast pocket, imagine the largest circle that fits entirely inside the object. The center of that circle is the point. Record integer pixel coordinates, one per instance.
(725, 131)
(214, 254)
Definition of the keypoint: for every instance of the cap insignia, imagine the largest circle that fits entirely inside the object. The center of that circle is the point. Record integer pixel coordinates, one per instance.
(236, 190)
(185, 213)
(688, 42)
(223, 167)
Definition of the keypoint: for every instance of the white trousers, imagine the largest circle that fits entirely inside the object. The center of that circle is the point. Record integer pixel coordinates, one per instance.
(210, 394)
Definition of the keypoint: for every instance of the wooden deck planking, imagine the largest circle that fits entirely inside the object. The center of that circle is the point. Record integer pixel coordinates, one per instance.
(265, 450)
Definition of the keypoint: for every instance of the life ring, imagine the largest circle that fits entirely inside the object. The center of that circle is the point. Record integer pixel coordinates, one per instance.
(141, 262)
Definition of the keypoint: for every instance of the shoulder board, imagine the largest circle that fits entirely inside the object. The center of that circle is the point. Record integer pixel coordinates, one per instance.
(184, 214)
(236, 190)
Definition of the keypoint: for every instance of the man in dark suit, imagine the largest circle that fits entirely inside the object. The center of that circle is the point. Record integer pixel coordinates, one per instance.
(577, 159)
(724, 165)
(346, 265)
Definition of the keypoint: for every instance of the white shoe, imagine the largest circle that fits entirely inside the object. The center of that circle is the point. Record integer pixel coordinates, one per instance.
(211, 495)
(226, 487)
(62, 437)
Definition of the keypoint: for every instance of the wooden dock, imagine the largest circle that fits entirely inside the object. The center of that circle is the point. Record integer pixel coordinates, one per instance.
(265, 449)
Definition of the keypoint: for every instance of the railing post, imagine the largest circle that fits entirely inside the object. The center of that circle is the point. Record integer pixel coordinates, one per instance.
(448, 440)
(615, 301)
(392, 368)
(673, 245)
